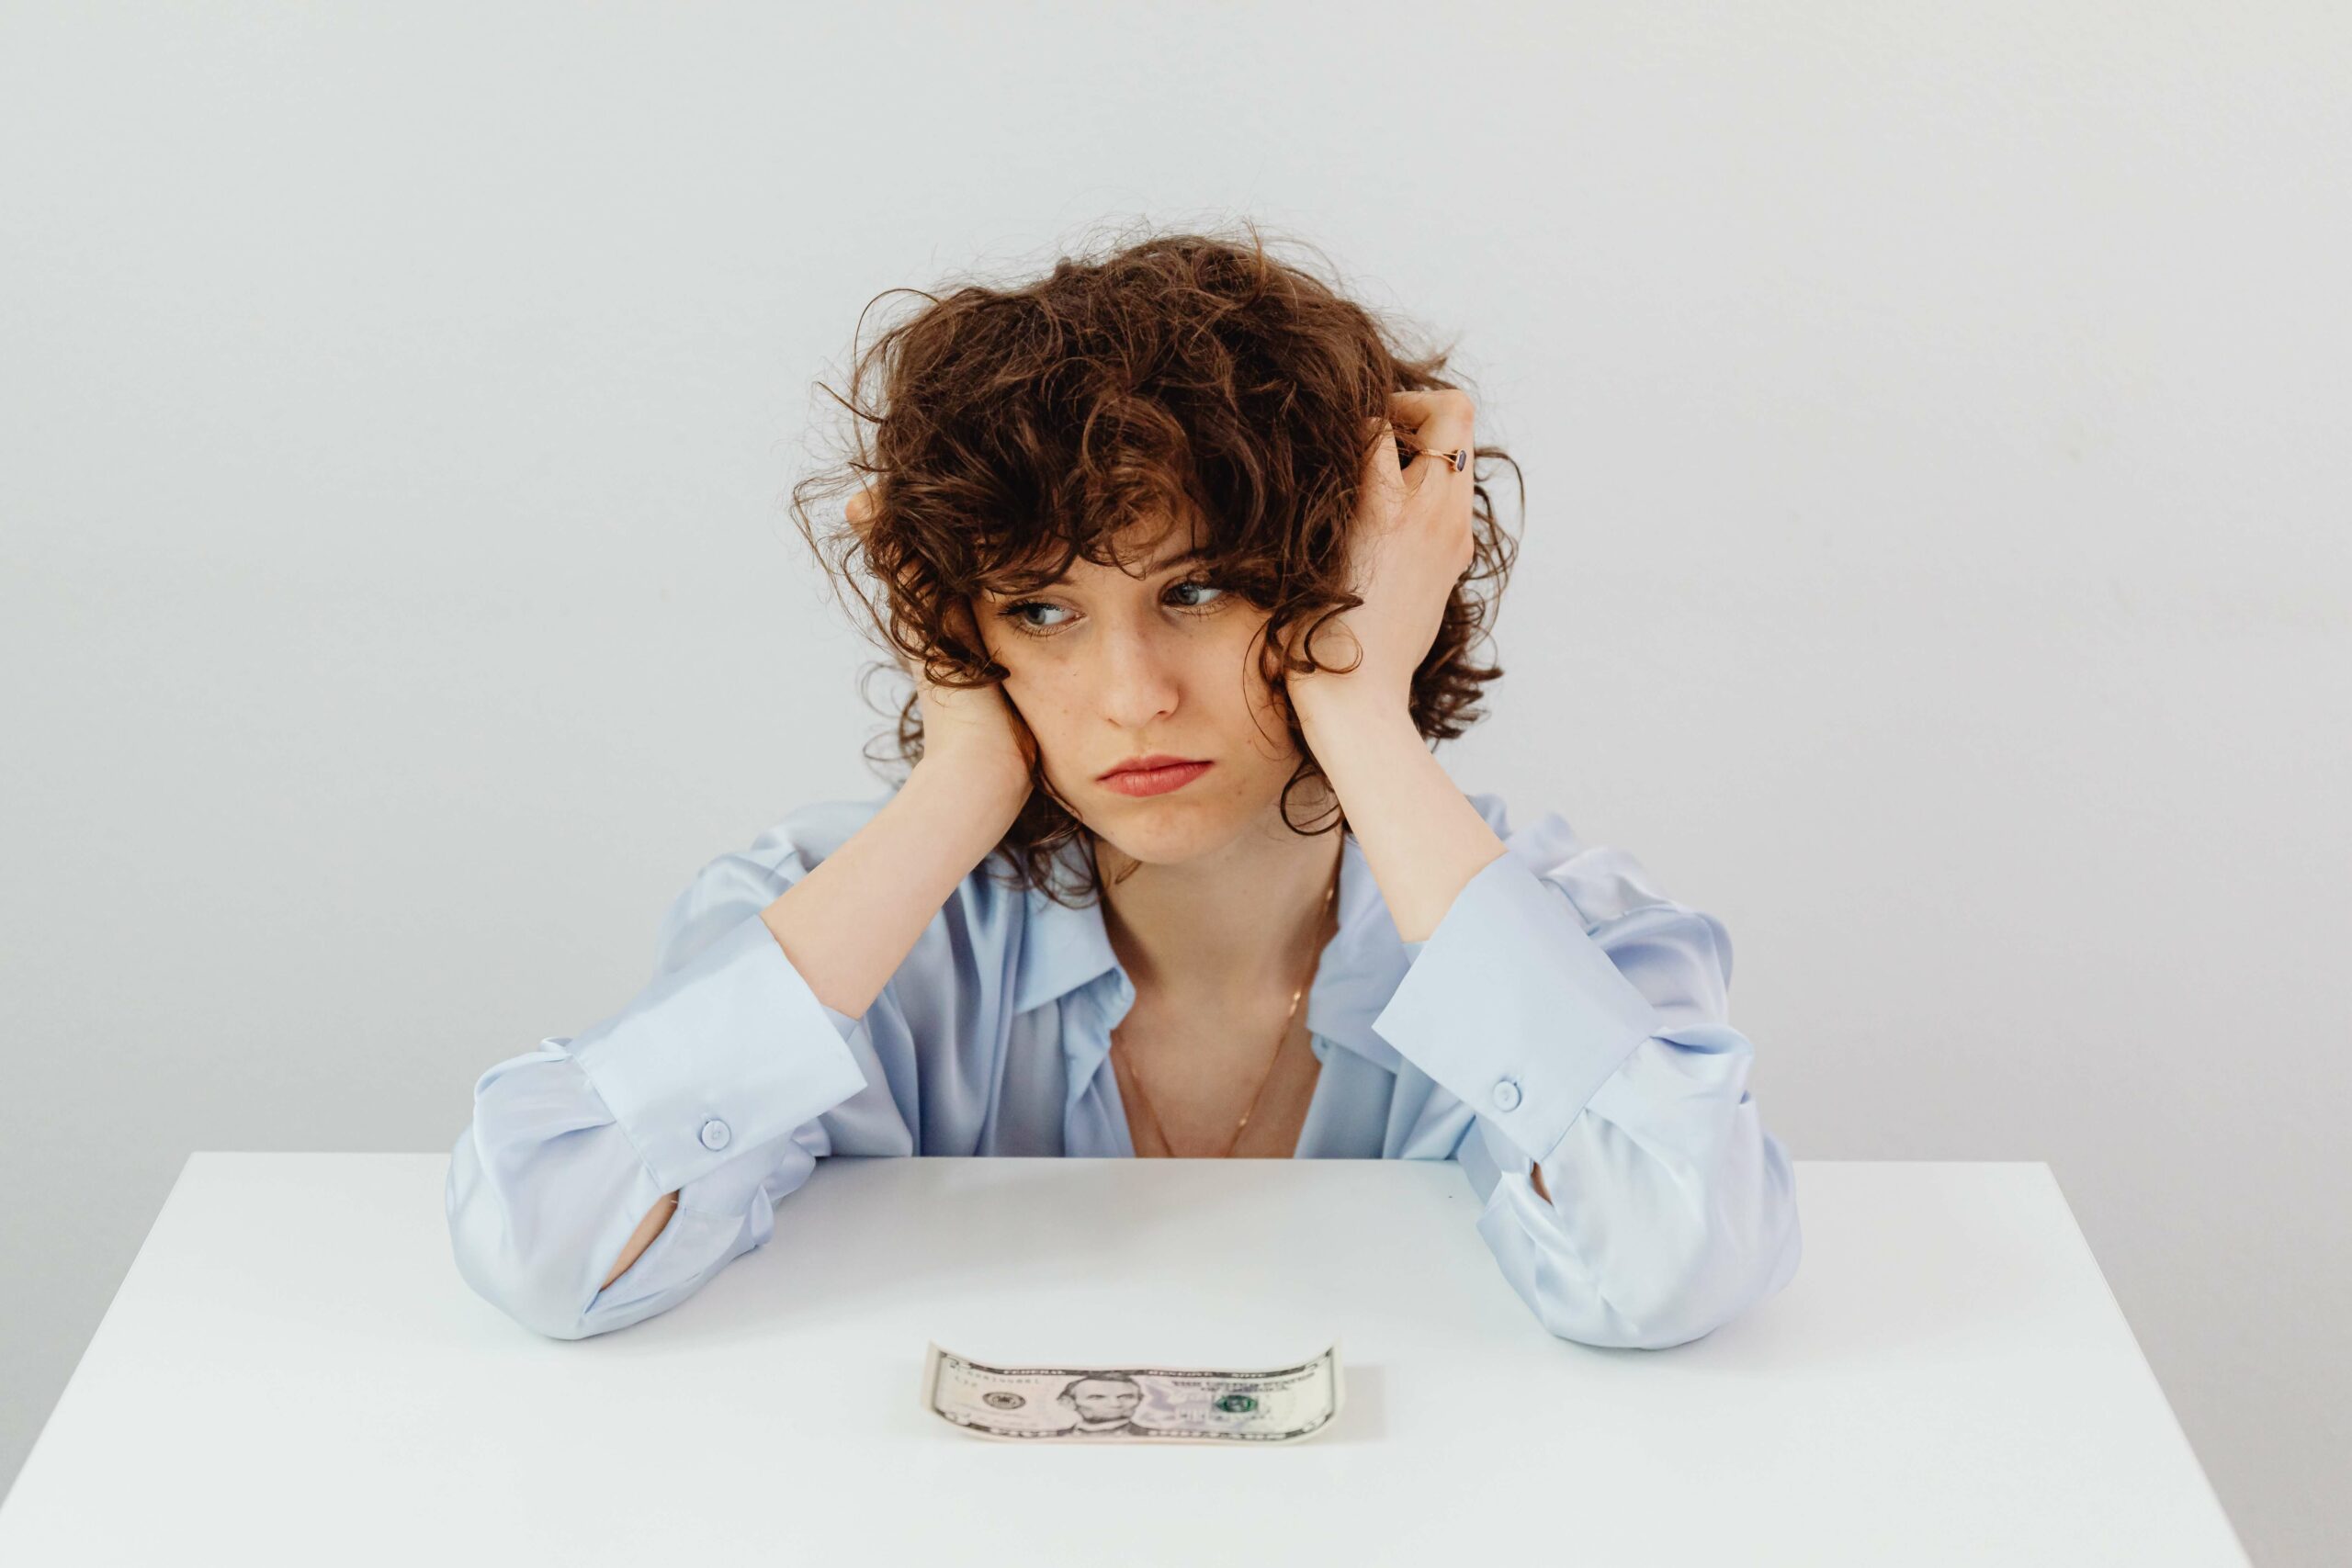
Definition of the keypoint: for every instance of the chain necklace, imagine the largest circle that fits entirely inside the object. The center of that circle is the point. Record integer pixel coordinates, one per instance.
(1137, 1076)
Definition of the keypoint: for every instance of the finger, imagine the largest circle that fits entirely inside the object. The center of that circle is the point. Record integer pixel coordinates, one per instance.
(1442, 421)
(967, 626)
(1382, 465)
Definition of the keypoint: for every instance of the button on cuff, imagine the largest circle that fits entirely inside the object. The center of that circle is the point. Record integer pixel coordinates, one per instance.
(732, 1033)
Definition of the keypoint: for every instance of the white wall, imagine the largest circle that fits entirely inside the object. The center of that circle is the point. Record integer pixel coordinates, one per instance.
(1934, 420)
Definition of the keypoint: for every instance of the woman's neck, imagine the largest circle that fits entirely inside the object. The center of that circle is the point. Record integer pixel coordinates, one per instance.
(1230, 923)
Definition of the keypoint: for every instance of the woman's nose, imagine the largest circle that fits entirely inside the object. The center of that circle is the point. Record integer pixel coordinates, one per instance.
(1137, 670)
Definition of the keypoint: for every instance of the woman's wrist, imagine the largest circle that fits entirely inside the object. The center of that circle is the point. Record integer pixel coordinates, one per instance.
(986, 789)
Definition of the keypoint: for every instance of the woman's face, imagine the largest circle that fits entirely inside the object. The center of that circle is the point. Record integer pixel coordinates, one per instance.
(1105, 667)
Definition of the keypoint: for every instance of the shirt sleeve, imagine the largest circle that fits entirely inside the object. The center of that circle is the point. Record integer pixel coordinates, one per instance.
(1582, 1015)
(710, 1083)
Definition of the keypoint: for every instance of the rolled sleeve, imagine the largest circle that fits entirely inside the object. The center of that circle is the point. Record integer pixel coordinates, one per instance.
(728, 1050)
(1514, 1009)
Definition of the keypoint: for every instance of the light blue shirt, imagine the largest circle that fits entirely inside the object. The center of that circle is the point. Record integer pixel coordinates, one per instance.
(1564, 1010)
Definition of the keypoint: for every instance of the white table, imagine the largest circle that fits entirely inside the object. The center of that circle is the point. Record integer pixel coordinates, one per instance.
(293, 1372)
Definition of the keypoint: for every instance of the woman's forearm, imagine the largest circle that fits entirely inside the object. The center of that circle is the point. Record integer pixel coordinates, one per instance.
(851, 921)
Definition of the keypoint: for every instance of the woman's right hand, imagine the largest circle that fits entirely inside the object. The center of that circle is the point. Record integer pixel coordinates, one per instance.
(975, 733)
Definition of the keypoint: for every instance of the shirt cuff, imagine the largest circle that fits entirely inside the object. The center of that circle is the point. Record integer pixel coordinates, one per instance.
(726, 1052)
(1513, 1008)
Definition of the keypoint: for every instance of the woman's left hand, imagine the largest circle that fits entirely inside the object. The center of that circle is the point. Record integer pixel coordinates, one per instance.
(1411, 543)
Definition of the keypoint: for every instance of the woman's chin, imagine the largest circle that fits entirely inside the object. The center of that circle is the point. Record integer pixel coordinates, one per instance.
(1155, 834)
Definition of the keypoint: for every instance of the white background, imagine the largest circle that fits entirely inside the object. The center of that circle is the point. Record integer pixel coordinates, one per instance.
(1934, 420)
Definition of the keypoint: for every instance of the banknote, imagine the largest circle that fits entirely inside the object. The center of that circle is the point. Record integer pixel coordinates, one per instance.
(1134, 1404)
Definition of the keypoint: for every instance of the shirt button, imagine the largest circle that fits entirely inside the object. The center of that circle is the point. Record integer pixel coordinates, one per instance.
(1507, 1094)
(715, 1134)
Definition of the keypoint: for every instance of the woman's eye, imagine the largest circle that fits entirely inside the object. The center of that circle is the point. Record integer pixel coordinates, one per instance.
(1212, 587)
(1018, 615)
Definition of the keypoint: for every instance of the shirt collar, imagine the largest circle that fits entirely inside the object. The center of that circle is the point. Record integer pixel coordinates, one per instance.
(1065, 950)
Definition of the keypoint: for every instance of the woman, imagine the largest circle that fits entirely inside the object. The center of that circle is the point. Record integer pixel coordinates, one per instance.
(1187, 560)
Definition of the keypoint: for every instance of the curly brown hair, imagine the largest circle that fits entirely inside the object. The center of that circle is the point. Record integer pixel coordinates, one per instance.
(1002, 431)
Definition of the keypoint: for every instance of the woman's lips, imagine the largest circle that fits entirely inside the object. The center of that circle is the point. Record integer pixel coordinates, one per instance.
(1156, 780)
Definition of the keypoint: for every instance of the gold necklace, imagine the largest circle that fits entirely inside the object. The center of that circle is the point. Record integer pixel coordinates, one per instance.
(1136, 1075)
